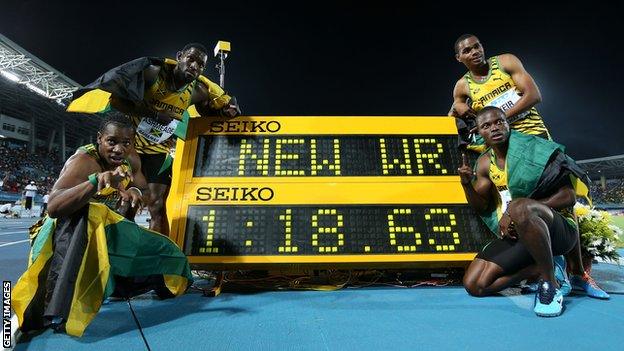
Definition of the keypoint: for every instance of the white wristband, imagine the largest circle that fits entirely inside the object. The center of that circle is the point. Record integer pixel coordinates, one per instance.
(137, 189)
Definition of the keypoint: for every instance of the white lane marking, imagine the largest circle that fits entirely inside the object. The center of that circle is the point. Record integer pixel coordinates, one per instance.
(13, 233)
(15, 242)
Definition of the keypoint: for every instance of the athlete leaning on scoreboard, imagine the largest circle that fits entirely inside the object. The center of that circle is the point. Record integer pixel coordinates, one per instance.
(155, 93)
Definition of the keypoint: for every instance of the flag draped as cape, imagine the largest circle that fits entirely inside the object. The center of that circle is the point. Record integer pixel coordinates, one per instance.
(127, 82)
(78, 261)
(536, 168)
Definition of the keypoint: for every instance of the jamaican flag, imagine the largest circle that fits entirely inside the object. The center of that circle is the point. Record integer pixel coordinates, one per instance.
(536, 168)
(78, 261)
(127, 82)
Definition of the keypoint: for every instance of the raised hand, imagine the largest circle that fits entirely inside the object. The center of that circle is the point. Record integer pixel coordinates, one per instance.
(465, 171)
(112, 179)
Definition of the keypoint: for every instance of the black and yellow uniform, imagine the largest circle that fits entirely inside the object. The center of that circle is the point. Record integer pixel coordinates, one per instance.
(107, 196)
(512, 255)
(498, 89)
(499, 179)
(160, 98)
(153, 140)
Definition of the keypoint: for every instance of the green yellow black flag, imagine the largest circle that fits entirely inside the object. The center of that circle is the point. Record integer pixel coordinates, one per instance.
(77, 262)
(127, 82)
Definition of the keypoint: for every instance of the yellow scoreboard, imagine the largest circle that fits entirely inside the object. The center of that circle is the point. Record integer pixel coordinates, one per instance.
(321, 191)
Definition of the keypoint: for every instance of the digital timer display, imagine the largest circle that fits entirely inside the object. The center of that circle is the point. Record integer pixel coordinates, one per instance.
(321, 190)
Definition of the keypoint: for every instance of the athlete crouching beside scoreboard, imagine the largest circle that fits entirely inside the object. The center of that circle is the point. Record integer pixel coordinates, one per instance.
(86, 251)
(531, 211)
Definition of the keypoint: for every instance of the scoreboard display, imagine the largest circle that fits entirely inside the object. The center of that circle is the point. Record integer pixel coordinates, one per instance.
(321, 191)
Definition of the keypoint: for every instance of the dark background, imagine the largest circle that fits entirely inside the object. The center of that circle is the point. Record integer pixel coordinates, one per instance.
(348, 58)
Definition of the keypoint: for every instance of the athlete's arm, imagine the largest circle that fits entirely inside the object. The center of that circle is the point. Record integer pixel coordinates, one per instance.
(136, 198)
(563, 198)
(460, 106)
(478, 192)
(211, 100)
(530, 94)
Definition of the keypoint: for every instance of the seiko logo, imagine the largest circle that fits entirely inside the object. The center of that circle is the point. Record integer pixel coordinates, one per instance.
(234, 194)
(245, 126)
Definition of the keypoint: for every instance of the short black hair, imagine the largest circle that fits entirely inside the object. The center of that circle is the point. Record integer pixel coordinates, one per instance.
(116, 119)
(197, 46)
(462, 38)
(488, 109)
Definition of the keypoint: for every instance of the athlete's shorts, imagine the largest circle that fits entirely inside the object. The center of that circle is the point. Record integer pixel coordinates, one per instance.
(28, 204)
(513, 256)
(151, 165)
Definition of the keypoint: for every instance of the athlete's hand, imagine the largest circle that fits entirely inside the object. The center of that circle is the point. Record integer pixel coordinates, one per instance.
(507, 227)
(232, 109)
(131, 196)
(112, 179)
(462, 110)
(165, 117)
(465, 171)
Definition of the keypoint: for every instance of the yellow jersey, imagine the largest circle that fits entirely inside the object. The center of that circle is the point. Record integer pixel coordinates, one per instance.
(151, 136)
(499, 179)
(498, 89)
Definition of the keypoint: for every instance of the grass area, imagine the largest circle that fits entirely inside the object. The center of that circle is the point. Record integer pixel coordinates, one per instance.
(619, 221)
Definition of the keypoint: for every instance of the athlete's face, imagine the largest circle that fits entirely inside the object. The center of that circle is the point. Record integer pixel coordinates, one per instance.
(115, 144)
(493, 127)
(470, 52)
(191, 63)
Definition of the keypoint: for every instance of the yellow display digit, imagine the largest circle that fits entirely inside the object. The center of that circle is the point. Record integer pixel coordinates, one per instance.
(286, 217)
(318, 230)
(394, 230)
(450, 227)
(210, 221)
(423, 158)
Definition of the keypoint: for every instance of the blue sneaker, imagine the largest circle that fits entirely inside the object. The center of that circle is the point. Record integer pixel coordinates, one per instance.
(588, 285)
(561, 275)
(548, 300)
(529, 288)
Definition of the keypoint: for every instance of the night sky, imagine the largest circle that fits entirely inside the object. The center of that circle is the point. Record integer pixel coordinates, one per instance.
(346, 58)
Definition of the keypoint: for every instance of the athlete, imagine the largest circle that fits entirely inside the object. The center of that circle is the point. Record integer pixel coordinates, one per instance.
(533, 216)
(107, 172)
(499, 81)
(155, 93)
(85, 251)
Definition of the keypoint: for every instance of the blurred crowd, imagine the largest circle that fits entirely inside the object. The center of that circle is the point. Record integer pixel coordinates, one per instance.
(613, 192)
(19, 167)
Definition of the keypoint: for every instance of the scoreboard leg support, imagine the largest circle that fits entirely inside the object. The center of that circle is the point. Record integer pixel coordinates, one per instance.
(218, 284)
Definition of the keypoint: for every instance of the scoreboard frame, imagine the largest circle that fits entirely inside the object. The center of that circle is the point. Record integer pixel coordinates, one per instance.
(345, 190)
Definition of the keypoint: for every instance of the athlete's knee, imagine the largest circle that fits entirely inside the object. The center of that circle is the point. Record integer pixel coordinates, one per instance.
(157, 207)
(471, 282)
(524, 210)
(473, 287)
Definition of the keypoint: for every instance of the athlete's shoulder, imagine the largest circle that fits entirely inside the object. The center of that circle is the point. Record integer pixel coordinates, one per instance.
(507, 60)
(483, 162)
(461, 87)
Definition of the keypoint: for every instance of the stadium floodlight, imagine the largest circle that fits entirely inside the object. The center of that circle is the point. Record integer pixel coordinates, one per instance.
(10, 76)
